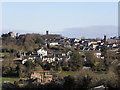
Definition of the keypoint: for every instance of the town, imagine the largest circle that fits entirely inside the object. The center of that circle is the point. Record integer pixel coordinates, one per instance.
(47, 58)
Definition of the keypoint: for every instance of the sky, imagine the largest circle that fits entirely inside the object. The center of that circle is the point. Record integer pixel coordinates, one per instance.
(59, 17)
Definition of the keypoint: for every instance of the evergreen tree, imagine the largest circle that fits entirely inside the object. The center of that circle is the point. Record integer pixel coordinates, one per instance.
(104, 54)
(76, 61)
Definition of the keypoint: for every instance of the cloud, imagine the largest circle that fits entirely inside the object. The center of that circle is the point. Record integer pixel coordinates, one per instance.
(91, 31)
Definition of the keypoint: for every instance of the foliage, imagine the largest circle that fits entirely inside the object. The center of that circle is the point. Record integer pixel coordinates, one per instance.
(84, 79)
(47, 66)
(75, 61)
(8, 66)
(91, 58)
(104, 50)
(26, 69)
(104, 54)
(21, 71)
(59, 68)
(69, 83)
(25, 42)
(30, 65)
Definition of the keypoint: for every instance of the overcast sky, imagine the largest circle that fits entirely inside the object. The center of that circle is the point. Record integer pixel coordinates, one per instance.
(57, 17)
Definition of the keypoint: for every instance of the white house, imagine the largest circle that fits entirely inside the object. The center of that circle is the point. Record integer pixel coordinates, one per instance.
(24, 61)
(53, 43)
(114, 45)
(95, 45)
(98, 54)
(42, 52)
(76, 40)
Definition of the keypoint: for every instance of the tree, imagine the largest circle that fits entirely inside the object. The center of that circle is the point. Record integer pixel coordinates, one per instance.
(91, 58)
(75, 61)
(30, 65)
(104, 54)
(117, 72)
(47, 66)
(69, 83)
(84, 79)
(38, 67)
(8, 66)
(21, 70)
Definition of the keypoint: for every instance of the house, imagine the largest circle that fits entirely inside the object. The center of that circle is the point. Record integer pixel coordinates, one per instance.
(56, 54)
(114, 45)
(53, 44)
(94, 46)
(86, 68)
(48, 58)
(10, 34)
(97, 54)
(85, 43)
(42, 76)
(42, 52)
(101, 87)
(67, 46)
(24, 61)
(77, 40)
(111, 41)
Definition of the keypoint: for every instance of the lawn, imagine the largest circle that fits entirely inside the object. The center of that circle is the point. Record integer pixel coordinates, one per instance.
(3, 54)
(10, 79)
(100, 72)
(66, 73)
(73, 73)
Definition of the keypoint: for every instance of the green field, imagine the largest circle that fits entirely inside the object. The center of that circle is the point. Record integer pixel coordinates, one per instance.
(4, 54)
(73, 73)
(66, 73)
(10, 79)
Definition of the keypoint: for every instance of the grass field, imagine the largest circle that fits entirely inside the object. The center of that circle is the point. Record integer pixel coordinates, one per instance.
(10, 79)
(73, 73)
(65, 73)
(4, 54)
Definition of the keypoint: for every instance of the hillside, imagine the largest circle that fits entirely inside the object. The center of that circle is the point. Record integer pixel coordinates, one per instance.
(26, 42)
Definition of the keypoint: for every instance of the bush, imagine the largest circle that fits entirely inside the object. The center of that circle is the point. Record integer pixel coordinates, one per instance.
(84, 79)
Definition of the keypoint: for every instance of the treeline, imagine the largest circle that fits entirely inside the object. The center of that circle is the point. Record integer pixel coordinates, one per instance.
(25, 42)
(84, 80)
(10, 69)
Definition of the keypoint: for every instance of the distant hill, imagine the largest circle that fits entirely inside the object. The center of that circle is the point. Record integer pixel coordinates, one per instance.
(91, 31)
